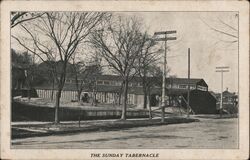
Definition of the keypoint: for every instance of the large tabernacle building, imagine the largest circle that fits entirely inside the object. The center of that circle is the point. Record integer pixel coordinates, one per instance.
(108, 87)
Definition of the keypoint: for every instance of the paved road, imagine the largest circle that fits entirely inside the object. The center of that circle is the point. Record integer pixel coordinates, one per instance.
(208, 133)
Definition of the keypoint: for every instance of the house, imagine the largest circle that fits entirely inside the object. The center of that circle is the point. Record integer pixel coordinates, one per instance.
(228, 97)
(18, 76)
(20, 86)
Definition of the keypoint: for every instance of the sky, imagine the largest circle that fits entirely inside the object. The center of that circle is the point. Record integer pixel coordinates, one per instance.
(209, 48)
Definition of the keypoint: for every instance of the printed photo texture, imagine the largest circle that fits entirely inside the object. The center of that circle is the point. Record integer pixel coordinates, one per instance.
(95, 80)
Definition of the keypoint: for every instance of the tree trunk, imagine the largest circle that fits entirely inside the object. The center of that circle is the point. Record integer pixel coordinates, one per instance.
(145, 98)
(149, 107)
(95, 101)
(93, 98)
(58, 96)
(94, 94)
(79, 96)
(119, 99)
(79, 91)
(120, 93)
(125, 95)
(52, 95)
(29, 88)
(59, 91)
(105, 97)
(116, 97)
(53, 87)
(28, 94)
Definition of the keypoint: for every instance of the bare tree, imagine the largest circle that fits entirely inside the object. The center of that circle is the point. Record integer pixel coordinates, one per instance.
(28, 72)
(46, 71)
(226, 29)
(57, 36)
(20, 17)
(120, 45)
(78, 70)
(150, 76)
(85, 75)
(154, 74)
(147, 57)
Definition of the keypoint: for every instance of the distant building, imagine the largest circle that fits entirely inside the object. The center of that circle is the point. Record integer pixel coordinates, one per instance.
(182, 84)
(18, 76)
(20, 86)
(229, 98)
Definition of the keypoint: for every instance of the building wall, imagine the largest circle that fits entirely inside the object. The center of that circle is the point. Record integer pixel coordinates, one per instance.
(102, 97)
(201, 102)
(139, 100)
(66, 95)
(111, 97)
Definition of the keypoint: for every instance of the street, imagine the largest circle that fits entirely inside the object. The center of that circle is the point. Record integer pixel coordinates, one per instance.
(208, 133)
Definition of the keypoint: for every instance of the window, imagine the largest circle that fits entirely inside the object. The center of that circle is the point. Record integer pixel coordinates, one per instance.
(182, 86)
(67, 80)
(118, 83)
(140, 84)
(202, 88)
(174, 86)
(134, 84)
(112, 83)
(99, 82)
(106, 83)
(192, 86)
(81, 81)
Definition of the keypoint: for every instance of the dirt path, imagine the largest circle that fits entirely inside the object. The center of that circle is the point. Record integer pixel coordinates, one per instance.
(208, 133)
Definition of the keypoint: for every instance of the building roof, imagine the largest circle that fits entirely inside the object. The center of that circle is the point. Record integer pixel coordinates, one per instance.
(116, 89)
(136, 78)
(110, 77)
(226, 93)
(116, 78)
(19, 66)
(46, 65)
(184, 80)
(131, 90)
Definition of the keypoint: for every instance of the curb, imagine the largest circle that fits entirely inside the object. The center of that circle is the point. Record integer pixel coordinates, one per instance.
(107, 127)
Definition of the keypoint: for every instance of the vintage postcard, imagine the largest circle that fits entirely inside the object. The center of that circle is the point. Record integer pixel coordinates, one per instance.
(143, 80)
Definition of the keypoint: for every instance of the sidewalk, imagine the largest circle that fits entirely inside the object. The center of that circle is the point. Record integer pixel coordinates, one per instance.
(31, 129)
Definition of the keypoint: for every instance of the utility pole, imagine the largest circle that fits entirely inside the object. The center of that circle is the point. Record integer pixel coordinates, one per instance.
(165, 39)
(222, 70)
(188, 94)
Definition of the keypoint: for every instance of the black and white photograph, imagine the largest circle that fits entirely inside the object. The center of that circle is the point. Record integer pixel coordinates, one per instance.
(129, 79)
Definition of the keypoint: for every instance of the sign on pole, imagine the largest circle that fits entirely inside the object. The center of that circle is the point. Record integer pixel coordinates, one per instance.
(164, 32)
(166, 39)
(222, 67)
